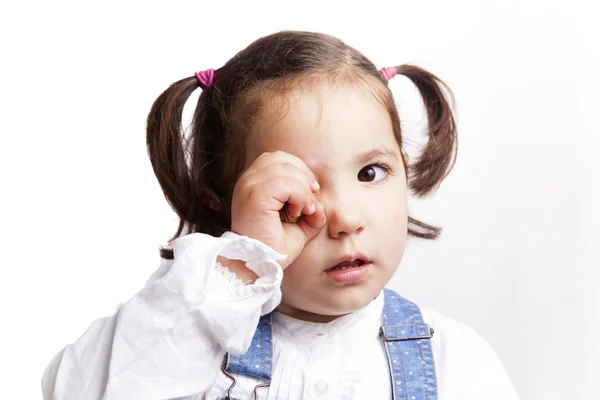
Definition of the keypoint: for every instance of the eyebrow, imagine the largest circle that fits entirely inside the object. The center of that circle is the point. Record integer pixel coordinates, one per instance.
(375, 153)
(362, 158)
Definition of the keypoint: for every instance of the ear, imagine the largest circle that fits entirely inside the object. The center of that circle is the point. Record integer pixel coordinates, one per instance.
(210, 199)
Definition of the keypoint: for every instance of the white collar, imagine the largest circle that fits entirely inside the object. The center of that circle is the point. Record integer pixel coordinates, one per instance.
(359, 324)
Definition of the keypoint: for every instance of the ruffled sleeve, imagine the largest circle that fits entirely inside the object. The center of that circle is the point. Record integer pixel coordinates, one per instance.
(169, 339)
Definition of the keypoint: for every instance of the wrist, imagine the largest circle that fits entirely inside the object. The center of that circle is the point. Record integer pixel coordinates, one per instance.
(238, 267)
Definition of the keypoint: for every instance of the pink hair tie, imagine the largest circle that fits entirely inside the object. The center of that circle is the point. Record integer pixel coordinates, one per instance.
(388, 73)
(205, 78)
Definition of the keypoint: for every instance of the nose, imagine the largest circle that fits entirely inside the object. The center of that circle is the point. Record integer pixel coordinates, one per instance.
(345, 216)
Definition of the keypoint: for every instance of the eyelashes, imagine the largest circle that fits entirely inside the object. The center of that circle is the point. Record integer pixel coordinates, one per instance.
(383, 166)
(365, 176)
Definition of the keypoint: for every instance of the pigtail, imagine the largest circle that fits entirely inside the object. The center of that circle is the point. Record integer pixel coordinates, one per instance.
(167, 151)
(439, 155)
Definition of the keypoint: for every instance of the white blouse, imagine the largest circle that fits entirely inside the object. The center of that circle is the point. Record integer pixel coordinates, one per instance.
(168, 341)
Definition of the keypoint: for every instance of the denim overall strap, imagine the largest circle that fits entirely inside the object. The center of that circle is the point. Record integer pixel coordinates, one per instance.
(408, 349)
(256, 362)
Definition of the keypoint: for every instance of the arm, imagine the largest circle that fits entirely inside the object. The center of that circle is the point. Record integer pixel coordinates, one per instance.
(169, 339)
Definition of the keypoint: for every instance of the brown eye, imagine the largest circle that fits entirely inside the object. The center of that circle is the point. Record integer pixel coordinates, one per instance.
(369, 173)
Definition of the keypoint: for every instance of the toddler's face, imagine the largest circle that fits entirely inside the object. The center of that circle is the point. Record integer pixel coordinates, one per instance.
(341, 134)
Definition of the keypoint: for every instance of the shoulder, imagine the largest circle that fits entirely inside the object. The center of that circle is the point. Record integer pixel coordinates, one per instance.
(448, 329)
(455, 342)
(466, 364)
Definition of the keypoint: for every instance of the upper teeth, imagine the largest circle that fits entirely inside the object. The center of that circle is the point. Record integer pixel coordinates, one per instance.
(354, 264)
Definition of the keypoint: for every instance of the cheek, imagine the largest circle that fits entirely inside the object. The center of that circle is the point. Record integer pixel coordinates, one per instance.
(393, 205)
(394, 218)
(297, 271)
(398, 225)
(396, 238)
(297, 280)
(400, 210)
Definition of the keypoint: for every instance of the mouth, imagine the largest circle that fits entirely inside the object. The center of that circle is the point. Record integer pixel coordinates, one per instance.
(350, 269)
(347, 264)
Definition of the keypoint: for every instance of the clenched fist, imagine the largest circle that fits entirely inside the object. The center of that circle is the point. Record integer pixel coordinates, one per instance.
(278, 184)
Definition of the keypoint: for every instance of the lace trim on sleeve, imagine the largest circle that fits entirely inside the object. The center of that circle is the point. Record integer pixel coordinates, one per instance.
(229, 276)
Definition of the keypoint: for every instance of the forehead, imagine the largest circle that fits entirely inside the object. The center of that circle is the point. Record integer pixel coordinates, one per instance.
(326, 128)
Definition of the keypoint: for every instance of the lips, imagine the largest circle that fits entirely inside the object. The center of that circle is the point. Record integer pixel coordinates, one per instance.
(349, 270)
(347, 264)
(349, 261)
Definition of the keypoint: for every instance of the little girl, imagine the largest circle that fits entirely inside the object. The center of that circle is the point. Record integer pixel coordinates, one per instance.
(292, 195)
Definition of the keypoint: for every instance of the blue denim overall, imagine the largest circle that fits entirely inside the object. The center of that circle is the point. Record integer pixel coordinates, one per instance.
(404, 335)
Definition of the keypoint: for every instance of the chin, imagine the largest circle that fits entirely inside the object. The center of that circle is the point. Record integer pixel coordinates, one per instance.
(346, 302)
(328, 300)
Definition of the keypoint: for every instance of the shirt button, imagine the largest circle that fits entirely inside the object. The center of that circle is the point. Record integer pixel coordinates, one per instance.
(321, 386)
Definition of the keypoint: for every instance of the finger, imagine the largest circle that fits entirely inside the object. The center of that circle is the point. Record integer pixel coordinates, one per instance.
(317, 219)
(311, 225)
(294, 210)
(270, 159)
(279, 169)
(306, 207)
(295, 207)
(283, 189)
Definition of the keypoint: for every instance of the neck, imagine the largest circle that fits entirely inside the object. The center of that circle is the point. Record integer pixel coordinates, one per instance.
(305, 315)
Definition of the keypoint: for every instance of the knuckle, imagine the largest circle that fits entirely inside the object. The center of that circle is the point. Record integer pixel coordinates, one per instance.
(291, 183)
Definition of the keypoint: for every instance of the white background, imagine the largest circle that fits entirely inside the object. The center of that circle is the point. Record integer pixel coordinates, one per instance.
(82, 215)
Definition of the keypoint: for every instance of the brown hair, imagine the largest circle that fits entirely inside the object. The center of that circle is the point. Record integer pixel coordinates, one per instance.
(198, 173)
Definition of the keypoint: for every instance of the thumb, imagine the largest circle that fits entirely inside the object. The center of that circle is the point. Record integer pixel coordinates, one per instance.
(302, 232)
(312, 224)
